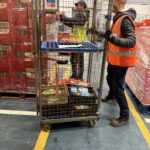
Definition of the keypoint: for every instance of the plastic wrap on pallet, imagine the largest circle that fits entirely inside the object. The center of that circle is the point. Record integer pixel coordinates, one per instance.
(138, 78)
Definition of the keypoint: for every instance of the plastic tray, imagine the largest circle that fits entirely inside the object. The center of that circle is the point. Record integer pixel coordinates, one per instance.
(54, 46)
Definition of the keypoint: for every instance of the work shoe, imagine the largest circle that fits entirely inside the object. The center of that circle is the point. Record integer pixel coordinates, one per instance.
(120, 122)
(108, 98)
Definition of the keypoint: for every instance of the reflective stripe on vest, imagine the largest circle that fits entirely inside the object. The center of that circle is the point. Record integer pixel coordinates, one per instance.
(79, 32)
(121, 53)
(119, 56)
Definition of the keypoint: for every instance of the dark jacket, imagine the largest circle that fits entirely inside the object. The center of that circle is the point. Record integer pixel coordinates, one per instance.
(127, 29)
(80, 19)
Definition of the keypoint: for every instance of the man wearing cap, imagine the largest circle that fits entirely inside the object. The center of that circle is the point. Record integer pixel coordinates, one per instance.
(78, 23)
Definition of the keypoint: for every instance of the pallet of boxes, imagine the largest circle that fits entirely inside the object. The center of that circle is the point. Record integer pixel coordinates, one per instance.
(16, 47)
(138, 78)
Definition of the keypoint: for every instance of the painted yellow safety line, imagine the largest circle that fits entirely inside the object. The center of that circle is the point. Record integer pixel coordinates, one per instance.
(43, 136)
(144, 130)
(42, 139)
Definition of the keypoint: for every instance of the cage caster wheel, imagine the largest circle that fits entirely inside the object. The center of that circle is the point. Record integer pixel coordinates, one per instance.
(98, 118)
(45, 126)
(91, 123)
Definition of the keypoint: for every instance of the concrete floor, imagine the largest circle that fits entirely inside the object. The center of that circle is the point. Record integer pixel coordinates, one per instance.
(103, 136)
(21, 132)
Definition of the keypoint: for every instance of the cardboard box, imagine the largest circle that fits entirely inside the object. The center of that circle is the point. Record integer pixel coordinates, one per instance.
(29, 64)
(30, 70)
(4, 47)
(4, 24)
(18, 81)
(26, 1)
(18, 66)
(5, 56)
(30, 89)
(5, 66)
(5, 36)
(20, 34)
(5, 82)
(31, 81)
(4, 10)
(24, 47)
(30, 75)
(19, 17)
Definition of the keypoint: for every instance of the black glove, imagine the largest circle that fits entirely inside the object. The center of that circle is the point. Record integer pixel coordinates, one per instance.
(92, 30)
(109, 36)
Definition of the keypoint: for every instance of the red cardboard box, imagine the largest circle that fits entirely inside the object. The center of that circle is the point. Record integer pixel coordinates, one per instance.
(19, 17)
(20, 34)
(5, 47)
(18, 66)
(25, 47)
(30, 73)
(18, 56)
(5, 36)
(4, 24)
(5, 66)
(5, 56)
(5, 82)
(18, 80)
(4, 11)
(29, 64)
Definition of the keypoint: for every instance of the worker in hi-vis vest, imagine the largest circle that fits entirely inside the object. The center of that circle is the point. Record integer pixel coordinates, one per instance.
(78, 23)
(121, 55)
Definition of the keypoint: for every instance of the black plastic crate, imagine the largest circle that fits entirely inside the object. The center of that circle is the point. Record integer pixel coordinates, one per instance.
(84, 110)
(88, 100)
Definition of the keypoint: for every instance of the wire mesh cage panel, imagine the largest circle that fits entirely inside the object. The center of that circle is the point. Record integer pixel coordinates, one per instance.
(69, 64)
(65, 95)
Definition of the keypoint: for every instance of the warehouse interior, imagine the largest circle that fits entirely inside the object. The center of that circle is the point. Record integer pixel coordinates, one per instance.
(42, 106)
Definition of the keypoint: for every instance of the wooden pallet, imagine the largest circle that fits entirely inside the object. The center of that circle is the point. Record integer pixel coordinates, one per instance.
(16, 95)
(144, 109)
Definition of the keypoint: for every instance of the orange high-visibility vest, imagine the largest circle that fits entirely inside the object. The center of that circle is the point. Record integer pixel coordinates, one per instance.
(119, 56)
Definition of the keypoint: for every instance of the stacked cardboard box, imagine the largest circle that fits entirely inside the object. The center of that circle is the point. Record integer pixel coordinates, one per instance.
(138, 78)
(16, 58)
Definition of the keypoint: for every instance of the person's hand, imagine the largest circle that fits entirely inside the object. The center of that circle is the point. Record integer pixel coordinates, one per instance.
(109, 36)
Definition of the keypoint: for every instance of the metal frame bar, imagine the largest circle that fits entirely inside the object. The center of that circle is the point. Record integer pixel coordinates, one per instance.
(93, 39)
(108, 23)
(62, 120)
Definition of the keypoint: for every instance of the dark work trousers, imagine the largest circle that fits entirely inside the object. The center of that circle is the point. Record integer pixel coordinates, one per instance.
(116, 79)
(77, 63)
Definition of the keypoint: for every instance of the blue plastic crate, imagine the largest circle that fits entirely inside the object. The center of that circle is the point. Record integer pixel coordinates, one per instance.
(54, 46)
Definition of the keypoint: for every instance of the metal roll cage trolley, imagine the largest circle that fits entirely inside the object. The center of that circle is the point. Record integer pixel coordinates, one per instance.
(53, 47)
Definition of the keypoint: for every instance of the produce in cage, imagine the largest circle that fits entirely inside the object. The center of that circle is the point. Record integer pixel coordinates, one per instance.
(54, 95)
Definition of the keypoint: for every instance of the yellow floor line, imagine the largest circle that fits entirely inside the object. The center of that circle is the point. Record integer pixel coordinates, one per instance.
(42, 139)
(43, 136)
(144, 130)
